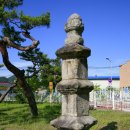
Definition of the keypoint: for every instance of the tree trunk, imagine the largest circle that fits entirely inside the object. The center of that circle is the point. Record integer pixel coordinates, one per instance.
(29, 95)
(20, 78)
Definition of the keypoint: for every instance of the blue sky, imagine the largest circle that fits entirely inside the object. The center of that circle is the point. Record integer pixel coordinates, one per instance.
(107, 30)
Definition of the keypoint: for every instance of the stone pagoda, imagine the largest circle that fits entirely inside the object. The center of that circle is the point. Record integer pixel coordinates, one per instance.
(74, 85)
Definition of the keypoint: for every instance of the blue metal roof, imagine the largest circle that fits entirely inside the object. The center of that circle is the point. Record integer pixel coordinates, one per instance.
(103, 77)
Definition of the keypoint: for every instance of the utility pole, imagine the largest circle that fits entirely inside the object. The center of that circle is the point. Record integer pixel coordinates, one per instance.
(111, 71)
(110, 83)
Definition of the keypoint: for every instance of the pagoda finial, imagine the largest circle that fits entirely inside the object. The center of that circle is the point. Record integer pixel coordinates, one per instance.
(74, 28)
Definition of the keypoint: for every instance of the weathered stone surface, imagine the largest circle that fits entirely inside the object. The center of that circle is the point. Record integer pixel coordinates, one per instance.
(74, 29)
(73, 122)
(74, 69)
(72, 86)
(73, 51)
(74, 22)
(75, 105)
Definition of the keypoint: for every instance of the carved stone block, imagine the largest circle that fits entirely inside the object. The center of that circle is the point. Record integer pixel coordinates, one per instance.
(74, 69)
(75, 105)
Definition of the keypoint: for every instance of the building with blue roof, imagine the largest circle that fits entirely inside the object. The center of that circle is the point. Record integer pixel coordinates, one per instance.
(103, 81)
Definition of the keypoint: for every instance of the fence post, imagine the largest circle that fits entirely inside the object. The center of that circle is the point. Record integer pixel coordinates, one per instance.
(95, 101)
(121, 99)
(51, 94)
(113, 99)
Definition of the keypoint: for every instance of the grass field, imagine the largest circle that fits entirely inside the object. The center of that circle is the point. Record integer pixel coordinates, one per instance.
(17, 117)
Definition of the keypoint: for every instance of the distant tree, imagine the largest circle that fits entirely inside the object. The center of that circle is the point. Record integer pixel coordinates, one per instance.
(3, 79)
(54, 71)
(12, 79)
(15, 30)
(51, 73)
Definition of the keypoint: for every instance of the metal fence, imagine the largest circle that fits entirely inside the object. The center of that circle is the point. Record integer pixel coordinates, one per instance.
(111, 99)
(108, 99)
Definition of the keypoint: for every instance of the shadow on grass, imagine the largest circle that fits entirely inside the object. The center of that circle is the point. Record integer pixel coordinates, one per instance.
(110, 126)
(22, 115)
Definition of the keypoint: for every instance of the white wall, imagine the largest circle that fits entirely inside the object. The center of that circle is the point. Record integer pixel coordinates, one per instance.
(104, 83)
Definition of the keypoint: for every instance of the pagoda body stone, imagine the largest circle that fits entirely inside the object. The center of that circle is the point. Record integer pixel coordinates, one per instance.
(74, 85)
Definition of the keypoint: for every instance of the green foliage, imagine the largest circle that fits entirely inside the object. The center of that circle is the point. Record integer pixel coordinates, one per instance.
(43, 71)
(51, 72)
(39, 60)
(34, 82)
(19, 95)
(10, 4)
(10, 31)
(31, 22)
(14, 22)
(36, 57)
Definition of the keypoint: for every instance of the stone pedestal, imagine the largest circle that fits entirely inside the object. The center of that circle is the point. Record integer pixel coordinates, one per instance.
(74, 86)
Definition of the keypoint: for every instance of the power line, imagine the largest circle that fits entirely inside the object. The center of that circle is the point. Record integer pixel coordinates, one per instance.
(94, 67)
(90, 67)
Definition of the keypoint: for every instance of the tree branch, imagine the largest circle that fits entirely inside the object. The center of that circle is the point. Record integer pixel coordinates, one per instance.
(7, 91)
(34, 74)
(22, 48)
(15, 23)
(17, 72)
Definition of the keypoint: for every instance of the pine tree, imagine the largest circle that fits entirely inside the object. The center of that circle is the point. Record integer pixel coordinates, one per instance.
(16, 28)
(46, 69)
(38, 60)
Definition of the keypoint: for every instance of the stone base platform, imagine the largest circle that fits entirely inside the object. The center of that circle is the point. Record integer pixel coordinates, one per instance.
(73, 123)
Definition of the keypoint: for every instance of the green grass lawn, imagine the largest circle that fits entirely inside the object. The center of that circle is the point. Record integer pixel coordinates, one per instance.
(17, 117)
